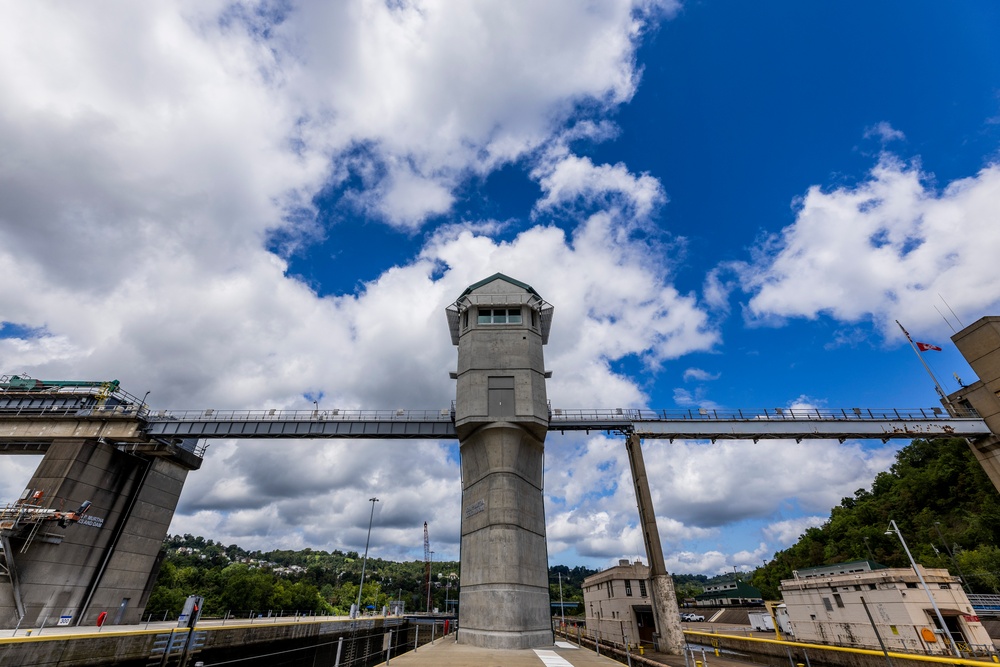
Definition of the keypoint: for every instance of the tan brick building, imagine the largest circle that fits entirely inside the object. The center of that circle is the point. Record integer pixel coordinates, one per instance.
(618, 606)
(827, 605)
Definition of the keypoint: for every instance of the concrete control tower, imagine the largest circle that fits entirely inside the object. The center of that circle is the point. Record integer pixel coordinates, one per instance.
(501, 417)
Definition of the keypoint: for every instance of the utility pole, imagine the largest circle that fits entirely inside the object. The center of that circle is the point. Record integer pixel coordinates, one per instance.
(951, 555)
(893, 528)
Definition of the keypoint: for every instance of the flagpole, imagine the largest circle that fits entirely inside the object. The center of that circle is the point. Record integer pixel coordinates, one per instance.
(937, 385)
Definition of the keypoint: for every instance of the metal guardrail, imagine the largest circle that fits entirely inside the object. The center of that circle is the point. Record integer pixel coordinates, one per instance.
(302, 424)
(27, 410)
(779, 414)
(211, 415)
(779, 423)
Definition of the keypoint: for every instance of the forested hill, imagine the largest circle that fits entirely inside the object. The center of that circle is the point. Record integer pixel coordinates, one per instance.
(934, 486)
(236, 581)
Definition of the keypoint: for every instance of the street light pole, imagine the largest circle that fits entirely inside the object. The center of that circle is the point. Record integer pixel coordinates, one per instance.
(868, 548)
(944, 628)
(365, 561)
(430, 578)
(562, 607)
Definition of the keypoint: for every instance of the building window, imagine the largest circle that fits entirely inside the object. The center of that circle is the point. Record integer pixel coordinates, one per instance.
(611, 588)
(827, 604)
(642, 588)
(465, 320)
(911, 584)
(946, 586)
(628, 587)
(872, 587)
(499, 316)
(838, 600)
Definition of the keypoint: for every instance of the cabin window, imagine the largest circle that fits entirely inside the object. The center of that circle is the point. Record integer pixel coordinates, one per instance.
(628, 587)
(642, 588)
(499, 316)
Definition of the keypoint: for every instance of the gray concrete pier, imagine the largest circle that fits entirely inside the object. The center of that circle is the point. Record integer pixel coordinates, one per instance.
(501, 417)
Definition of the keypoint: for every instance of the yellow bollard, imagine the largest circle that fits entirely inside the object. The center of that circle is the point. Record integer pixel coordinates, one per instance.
(717, 654)
(697, 663)
(996, 659)
(642, 651)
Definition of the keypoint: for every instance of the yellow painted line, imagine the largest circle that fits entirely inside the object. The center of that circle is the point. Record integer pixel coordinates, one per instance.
(85, 635)
(236, 623)
(846, 649)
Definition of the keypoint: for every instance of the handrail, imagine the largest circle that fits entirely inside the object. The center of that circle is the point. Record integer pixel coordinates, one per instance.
(774, 414)
(557, 415)
(443, 415)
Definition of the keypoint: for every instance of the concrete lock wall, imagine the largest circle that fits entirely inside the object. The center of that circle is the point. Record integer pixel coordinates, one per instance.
(307, 641)
(979, 343)
(106, 562)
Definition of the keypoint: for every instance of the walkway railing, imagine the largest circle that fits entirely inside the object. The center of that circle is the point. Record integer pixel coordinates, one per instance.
(334, 414)
(765, 414)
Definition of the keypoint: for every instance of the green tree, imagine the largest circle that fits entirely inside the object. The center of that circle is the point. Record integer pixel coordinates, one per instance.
(246, 589)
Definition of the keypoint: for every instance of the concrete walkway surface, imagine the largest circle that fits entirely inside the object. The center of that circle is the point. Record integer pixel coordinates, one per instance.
(446, 653)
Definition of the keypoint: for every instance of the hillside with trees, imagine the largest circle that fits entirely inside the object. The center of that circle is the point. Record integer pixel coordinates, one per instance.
(233, 580)
(944, 504)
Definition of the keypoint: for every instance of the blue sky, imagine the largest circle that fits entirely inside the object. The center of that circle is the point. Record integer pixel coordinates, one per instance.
(241, 205)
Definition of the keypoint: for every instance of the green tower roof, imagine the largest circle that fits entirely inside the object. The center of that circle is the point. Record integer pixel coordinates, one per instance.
(500, 276)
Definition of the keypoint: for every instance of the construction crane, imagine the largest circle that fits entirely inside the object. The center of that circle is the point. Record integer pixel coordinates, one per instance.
(427, 565)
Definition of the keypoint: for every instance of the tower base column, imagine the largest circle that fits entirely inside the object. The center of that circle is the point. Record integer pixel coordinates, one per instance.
(504, 599)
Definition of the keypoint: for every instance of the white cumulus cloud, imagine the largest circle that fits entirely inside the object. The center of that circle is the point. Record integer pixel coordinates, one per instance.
(884, 249)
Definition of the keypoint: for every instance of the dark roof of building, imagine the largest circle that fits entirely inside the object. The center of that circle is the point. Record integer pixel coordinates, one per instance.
(871, 565)
(742, 590)
(499, 276)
